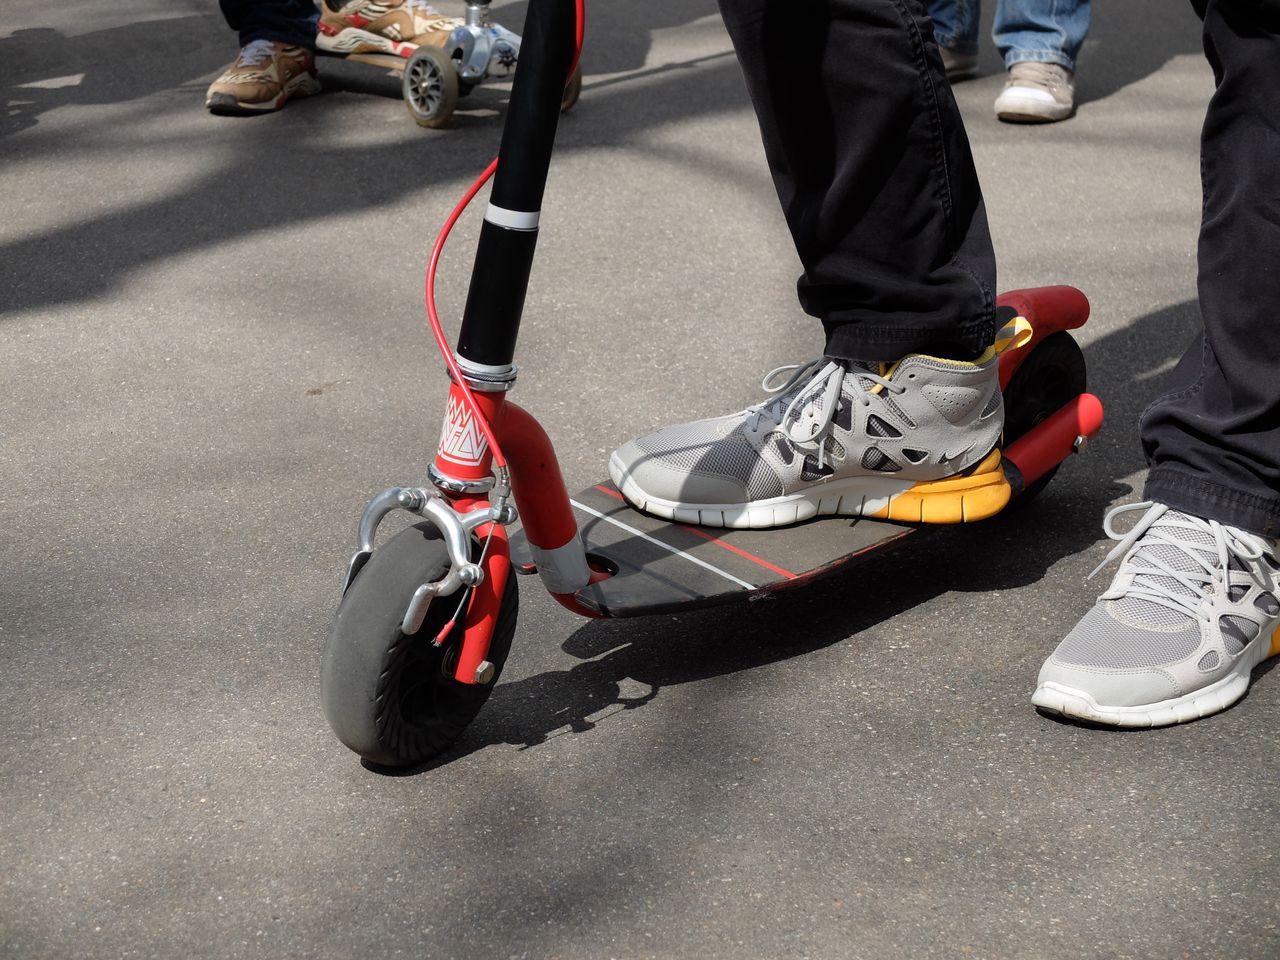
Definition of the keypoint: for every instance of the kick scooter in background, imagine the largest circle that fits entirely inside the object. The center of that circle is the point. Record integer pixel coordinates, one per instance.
(433, 78)
(426, 620)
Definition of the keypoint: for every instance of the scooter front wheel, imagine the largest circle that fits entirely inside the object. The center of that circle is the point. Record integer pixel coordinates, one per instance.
(391, 697)
(430, 87)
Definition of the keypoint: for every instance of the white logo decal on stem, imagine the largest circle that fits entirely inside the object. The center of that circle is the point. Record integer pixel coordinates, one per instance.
(462, 440)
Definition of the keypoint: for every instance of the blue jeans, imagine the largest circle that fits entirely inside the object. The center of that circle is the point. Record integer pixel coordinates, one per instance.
(1047, 31)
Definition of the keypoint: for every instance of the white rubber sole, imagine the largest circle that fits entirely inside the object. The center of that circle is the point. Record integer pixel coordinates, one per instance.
(975, 494)
(1026, 105)
(1217, 696)
(852, 497)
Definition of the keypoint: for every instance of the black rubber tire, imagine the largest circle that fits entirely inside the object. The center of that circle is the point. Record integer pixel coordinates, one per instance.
(1053, 374)
(429, 86)
(390, 697)
(572, 91)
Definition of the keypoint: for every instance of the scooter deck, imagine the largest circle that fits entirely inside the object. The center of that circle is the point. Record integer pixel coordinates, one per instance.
(662, 566)
(388, 60)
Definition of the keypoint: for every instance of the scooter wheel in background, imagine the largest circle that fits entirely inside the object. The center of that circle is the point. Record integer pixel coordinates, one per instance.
(1052, 375)
(390, 697)
(572, 91)
(430, 87)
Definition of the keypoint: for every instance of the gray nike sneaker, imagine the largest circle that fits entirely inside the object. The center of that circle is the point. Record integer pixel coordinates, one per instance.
(1191, 611)
(1037, 93)
(912, 441)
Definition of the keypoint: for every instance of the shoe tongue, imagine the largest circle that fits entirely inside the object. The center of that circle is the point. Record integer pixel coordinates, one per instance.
(1200, 541)
(1039, 74)
(856, 379)
(256, 52)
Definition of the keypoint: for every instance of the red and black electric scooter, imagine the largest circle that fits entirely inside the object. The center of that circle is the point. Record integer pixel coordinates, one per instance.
(426, 620)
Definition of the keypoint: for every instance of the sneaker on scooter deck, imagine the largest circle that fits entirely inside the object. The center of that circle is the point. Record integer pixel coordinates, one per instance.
(913, 441)
(1175, 637)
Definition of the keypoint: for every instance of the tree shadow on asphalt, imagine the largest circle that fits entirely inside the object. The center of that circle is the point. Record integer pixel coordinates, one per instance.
(41, 69)
(1130, 42)
(626, 663)
(299, 174)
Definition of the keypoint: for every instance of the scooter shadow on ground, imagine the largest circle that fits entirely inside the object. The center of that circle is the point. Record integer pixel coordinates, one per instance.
(628, 662)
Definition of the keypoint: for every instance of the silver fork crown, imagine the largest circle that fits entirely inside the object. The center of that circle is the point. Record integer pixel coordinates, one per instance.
(455, 529)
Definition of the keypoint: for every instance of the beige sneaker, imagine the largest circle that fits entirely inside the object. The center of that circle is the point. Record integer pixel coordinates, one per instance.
(382, 26)
(263, 77)
(1036, 93)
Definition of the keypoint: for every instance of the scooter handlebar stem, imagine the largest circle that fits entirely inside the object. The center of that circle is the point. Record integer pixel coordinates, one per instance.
(509, 234)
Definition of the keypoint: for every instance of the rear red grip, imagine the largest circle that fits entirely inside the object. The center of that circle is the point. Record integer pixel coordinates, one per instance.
(1053, 440)
(1054, 308)
(1049, 310)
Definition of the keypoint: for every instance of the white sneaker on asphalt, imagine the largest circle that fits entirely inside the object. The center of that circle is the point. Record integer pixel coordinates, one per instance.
(1037, 93)
(912, 441)
(1191, 611)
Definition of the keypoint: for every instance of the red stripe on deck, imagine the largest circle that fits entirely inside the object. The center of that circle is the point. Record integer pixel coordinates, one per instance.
(698, 532)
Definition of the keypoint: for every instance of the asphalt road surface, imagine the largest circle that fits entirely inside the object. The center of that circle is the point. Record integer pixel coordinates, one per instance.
(212, 352)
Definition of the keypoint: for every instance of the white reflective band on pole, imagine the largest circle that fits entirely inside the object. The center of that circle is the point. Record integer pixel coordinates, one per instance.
(512, 219)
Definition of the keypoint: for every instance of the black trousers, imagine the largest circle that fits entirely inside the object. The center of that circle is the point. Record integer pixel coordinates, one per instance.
(873, 168)
(877, 183)
(1212, 438)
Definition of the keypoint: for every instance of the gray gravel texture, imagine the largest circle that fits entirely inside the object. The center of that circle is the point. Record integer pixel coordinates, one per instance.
(213, 352)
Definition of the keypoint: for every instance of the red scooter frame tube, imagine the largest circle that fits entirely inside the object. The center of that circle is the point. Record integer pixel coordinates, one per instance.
(542, 500)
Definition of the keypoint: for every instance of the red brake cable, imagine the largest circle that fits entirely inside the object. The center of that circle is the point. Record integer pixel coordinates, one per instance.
(437, 330)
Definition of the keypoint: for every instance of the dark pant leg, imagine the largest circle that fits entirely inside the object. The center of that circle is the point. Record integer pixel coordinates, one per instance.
(1213, 439)
(285, 21)
(873, 169)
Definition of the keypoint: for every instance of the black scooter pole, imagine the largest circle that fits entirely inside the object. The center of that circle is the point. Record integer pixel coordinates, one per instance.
(504, 257)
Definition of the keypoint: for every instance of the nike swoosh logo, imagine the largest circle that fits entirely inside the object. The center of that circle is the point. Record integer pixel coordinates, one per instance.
(949, 457)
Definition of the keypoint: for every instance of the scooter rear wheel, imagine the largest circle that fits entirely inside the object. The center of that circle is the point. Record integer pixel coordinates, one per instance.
(1052, 375)
(390, 697)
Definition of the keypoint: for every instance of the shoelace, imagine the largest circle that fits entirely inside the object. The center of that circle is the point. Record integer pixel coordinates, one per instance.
(256, 52)
(825, 380)
(1046, 75)
(1157, 529)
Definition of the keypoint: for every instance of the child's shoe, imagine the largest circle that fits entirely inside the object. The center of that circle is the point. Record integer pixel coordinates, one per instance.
(263, 77)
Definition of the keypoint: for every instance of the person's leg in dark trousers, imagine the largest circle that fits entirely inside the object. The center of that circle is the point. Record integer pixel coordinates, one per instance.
(873, 169)
(1213, 438)
(282, 21)
(1195, 604)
